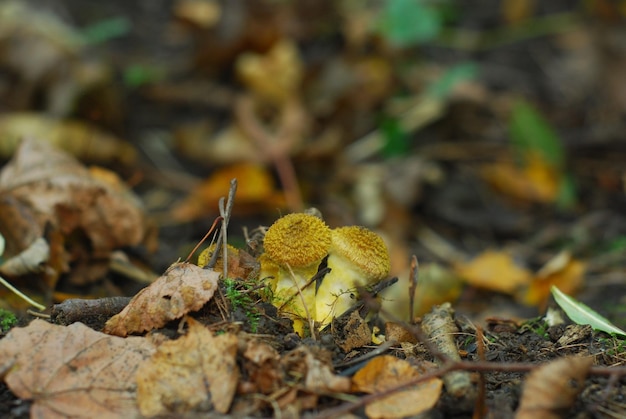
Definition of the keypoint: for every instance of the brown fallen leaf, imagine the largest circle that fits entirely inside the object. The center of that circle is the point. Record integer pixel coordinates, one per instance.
(45, 190)
(82, 140)
(72, 371)
(261, 366)
(183, 288)
(385, 372)
(193, 372)
(312, 371)
(258, 72)
(551, 389)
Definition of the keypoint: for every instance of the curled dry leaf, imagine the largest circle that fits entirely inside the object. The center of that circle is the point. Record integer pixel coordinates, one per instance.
(183, 288)
(189, 374)
(551, 389)
(72, 371)
(44, 189)
(386, 372)
(31, 260)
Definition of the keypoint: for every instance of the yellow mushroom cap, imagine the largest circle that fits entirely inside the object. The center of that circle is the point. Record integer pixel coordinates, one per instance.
(364, 250)
(357, 256)
(297, 240)
(205, 256)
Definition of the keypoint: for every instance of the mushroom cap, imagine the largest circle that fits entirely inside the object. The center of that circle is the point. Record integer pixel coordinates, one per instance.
(205, 256)
(363, 249)
(298, 240)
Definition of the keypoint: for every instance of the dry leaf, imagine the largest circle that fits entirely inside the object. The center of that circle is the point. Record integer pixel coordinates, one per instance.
(44, 189)
(80, 139)
(199, 142)
(262, 369)
(315, 370)
(536, 181)
(386, 372)
(563, 271)
(183, 288)
(495, 271)
(189, 374)
(72, 371)
(551, 389)
(259, 72)
(31, 260)
(352, 332)
(256, 189)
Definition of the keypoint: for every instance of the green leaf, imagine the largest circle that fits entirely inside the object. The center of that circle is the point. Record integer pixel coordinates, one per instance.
(453, 76)
(2, 244)
(580, 313)
(396, 140)
(532, 133)
(106, 30)
(409, 22)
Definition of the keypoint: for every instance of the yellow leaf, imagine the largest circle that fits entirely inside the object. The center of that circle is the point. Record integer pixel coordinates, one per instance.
(496, 271)
(274, 76)
(255, 191)
(563, 271)
(535, 181)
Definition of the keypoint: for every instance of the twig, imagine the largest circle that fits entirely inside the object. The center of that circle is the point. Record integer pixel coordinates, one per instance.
(23, 296)
(208, 233)
(274, 147)
(413, 277)
(225, 214)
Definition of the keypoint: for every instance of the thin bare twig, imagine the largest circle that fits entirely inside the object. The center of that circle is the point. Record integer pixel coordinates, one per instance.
(413, 277)
(274, 147)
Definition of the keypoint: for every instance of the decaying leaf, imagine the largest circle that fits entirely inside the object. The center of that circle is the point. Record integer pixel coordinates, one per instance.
(84, 141)
(494, 270)
(551, 390)
(72, 371)
(352, 332)
(261, 366)
(183, 288)
(193, 372)
(259, 72)
(313, 373)
(385, 372)
(44, 190)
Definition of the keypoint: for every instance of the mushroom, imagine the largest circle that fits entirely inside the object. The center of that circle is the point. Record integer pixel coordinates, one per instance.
(357, 257)
(297, 243)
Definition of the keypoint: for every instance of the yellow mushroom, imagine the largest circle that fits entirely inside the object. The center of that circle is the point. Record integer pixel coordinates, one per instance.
(297, 244)
(357, 257)
(205, 256)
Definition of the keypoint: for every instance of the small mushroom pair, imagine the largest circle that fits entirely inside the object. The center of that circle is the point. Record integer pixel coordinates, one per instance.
(295, 246)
